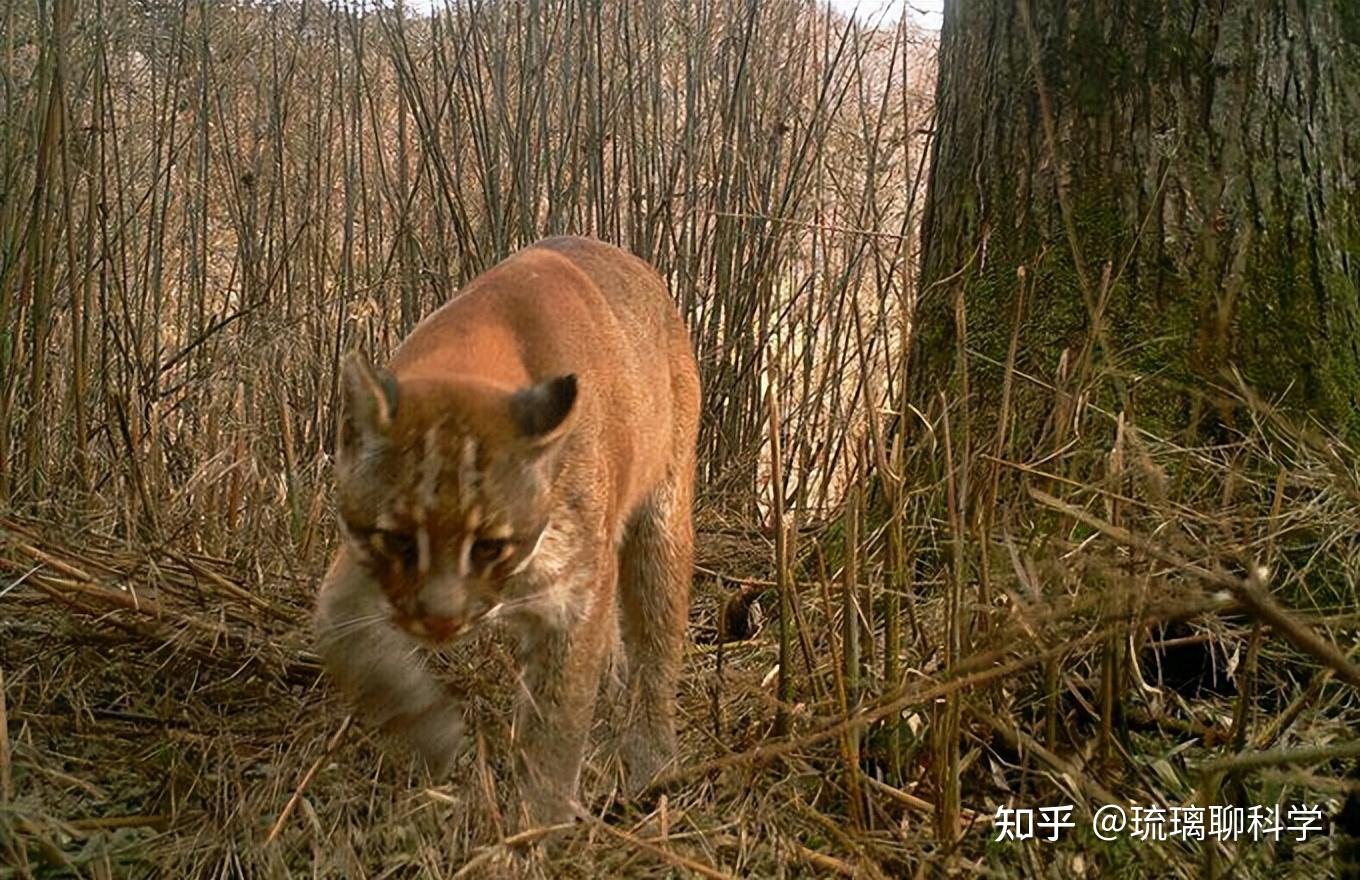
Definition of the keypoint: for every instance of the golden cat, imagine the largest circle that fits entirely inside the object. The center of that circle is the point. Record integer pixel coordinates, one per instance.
(526, 457)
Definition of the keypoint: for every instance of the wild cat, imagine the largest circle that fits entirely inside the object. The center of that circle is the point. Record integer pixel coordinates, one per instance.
(527, 456)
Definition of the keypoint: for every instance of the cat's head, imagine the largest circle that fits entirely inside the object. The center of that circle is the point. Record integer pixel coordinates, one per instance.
(444, 487)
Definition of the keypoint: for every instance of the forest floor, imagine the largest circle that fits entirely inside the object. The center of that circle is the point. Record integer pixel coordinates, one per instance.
(167, 718)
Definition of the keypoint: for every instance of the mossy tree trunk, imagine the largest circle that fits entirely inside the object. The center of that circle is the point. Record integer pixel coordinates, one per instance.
(1188, 173)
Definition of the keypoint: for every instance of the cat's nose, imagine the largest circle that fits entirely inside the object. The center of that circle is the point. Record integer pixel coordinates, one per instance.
(441, 628)
(426, 622)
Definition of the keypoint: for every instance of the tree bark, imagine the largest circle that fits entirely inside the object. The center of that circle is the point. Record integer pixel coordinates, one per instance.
(1180, 183)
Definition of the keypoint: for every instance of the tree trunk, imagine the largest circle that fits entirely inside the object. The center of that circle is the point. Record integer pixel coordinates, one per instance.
(1180, 183)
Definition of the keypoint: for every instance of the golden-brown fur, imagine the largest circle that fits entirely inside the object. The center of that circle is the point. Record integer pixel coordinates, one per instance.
(527, 457)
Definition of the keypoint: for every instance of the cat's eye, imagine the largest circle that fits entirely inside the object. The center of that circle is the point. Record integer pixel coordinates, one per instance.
(486, 551)
(400, 546)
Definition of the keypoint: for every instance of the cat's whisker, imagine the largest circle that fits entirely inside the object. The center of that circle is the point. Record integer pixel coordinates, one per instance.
(526, 693)
(500, 609)
(354, 623)
(349, 628)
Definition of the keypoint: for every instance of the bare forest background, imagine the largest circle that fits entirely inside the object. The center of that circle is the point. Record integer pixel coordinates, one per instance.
(204, 204)
(225, 197)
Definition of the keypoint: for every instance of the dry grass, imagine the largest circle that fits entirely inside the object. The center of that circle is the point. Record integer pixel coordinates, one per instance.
(165, 714)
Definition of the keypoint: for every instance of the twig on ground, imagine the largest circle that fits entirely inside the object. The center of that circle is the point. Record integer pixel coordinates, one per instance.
(331, 745)
(1247, 591)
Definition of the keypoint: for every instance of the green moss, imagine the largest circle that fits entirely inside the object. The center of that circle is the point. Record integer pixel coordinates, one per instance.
(1348, 13)
(1289, 312)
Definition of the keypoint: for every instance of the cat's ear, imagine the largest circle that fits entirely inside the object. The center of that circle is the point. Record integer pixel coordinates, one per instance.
(368, 404)
(542, 412)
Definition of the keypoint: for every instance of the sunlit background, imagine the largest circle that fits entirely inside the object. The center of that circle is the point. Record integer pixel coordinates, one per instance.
(926, 13)
(882, 13)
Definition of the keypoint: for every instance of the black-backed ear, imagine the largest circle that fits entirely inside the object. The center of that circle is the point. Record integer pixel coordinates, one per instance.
(541, 411)
(369, 402)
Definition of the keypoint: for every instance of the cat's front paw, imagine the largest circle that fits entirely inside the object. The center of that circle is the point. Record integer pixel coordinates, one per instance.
(646, 757)
(437, 736)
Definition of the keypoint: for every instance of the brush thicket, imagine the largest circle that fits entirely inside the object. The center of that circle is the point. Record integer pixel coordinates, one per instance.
(208, 203)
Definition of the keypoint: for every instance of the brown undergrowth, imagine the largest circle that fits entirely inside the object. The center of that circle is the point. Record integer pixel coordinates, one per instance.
(166, 718)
